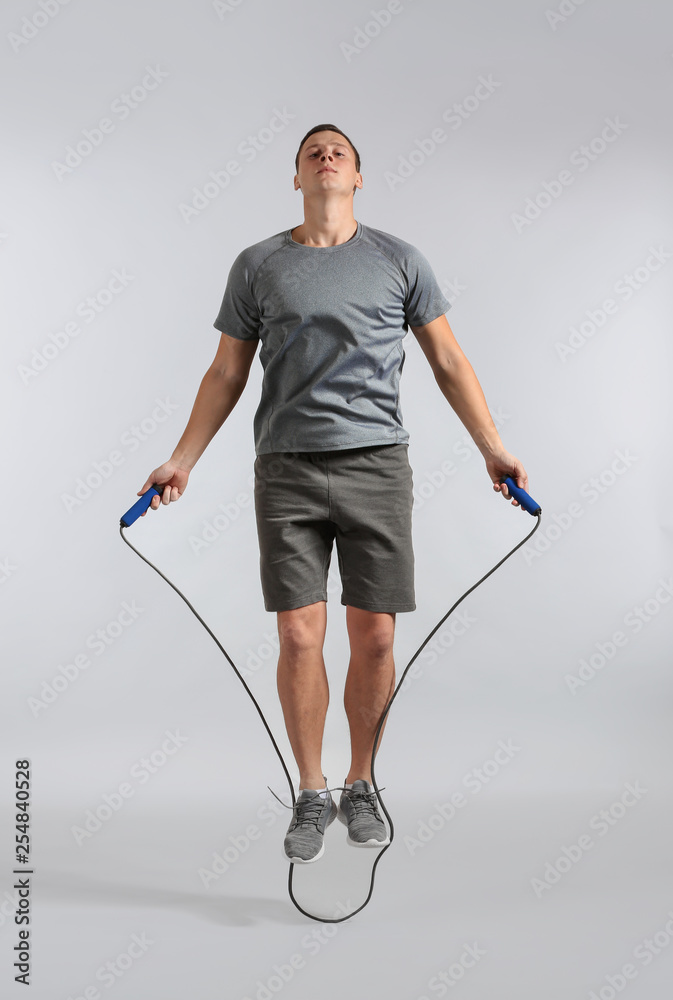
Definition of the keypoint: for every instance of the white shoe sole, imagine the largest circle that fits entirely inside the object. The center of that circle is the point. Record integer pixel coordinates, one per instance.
(304, 861)
(368, 843)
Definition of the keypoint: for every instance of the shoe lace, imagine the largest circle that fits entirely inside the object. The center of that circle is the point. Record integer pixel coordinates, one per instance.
(364, 802)
(307, 811)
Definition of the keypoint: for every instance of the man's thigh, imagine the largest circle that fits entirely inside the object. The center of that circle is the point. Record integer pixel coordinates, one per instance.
(293, 528)
(371, 501)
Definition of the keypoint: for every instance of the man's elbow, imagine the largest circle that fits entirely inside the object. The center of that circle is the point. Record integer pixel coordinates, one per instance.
(222, 375)
(449, 366)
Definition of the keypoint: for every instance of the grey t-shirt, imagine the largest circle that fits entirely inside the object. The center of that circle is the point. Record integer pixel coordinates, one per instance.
(331, 321)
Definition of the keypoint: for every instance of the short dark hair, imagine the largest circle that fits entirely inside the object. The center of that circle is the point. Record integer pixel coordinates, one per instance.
(327, 128)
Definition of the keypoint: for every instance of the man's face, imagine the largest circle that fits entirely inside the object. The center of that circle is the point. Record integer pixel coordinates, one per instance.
(327, 163)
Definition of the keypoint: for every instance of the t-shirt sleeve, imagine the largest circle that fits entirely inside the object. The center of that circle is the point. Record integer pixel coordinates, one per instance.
(239, 316)
(425, 300)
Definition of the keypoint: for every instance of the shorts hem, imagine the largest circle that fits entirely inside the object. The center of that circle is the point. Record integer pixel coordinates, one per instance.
(393, 608)
(299, 602)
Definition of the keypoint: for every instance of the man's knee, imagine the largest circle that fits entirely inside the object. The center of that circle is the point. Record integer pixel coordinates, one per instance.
(302, 629)
(372, 631)
(378, 645)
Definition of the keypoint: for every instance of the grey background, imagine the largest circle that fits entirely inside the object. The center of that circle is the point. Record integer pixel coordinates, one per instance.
(517, 292)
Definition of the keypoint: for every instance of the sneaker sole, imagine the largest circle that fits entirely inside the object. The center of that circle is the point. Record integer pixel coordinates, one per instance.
(367, 843)
(304, 861)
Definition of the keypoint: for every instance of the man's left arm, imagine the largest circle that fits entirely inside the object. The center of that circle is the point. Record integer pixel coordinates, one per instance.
(459, 384)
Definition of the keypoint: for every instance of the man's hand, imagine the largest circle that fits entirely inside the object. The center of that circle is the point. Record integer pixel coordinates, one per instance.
(172, 477)
(505, 464)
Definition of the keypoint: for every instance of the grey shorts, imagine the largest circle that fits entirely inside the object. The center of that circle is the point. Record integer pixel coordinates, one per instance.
(363, 497)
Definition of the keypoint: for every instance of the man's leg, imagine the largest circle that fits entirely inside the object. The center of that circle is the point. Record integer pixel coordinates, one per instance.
(302, 686)
(370, 683)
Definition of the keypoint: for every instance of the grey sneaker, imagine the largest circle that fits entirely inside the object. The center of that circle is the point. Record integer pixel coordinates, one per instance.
(358, 811)
(311, 816)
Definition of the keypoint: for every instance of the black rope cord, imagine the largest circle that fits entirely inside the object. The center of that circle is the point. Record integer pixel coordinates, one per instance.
(333, 920)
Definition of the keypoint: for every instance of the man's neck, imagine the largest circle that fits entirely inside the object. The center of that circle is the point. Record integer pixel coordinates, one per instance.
(325, 226)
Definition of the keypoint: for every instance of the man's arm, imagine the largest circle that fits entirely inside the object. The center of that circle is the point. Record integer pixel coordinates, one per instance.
(459, 384)
(220, 390)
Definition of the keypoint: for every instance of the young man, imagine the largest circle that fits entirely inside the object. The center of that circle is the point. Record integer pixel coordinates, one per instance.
(330, 301)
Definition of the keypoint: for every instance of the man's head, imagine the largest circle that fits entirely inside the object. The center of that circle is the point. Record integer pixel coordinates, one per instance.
(326, 156)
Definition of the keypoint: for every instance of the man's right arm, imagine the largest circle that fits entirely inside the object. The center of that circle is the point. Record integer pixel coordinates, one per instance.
(218, 393)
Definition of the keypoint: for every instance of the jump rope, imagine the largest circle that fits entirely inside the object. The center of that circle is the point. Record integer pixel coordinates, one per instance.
(138, 508)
